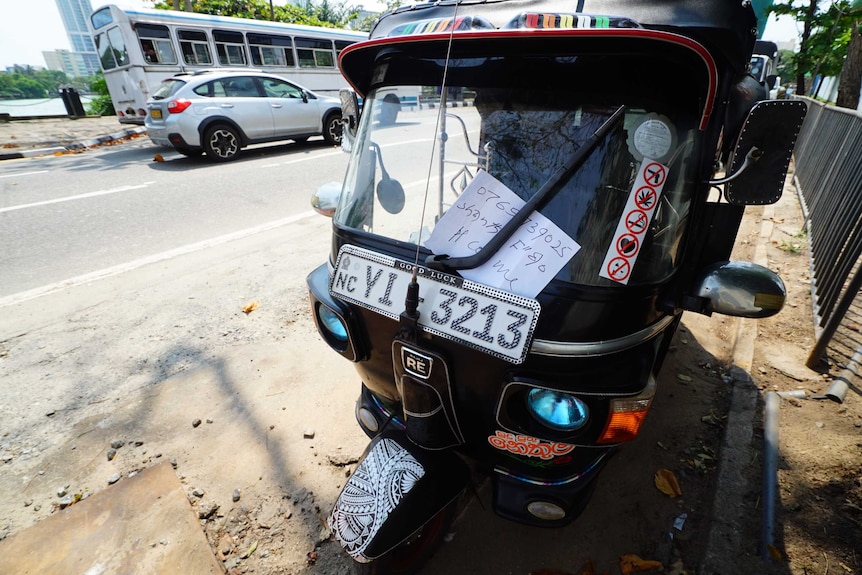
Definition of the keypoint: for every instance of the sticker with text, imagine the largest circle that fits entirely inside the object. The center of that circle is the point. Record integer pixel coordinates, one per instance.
(529, 446)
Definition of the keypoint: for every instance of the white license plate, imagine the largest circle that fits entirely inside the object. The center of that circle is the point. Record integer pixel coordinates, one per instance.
(492, 320)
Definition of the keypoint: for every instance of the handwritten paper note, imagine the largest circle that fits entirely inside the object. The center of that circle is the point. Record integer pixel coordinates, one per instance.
(526, 262)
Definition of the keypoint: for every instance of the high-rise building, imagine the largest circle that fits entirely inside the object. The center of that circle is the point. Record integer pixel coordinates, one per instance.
(72, 63)
(74, 14)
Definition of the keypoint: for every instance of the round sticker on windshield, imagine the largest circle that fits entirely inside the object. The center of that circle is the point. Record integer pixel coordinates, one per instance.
(653, 136)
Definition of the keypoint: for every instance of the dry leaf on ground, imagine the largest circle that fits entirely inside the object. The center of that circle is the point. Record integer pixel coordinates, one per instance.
(666, 481)
(631, 563)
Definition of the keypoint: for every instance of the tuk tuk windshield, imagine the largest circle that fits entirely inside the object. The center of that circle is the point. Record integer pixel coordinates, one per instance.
(432, 143)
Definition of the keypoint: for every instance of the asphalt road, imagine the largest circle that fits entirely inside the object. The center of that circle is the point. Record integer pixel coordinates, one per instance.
(68, 216)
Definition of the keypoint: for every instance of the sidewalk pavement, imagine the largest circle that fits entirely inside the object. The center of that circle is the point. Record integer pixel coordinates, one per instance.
(27, 138)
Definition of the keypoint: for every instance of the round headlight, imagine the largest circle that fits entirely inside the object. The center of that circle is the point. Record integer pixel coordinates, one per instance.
(557, 410)
(333, 324)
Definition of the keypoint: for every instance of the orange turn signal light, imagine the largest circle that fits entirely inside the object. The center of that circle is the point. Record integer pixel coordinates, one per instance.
(626, 416)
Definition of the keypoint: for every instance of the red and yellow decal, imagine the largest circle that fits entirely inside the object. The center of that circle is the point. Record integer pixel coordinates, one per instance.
(529, 446)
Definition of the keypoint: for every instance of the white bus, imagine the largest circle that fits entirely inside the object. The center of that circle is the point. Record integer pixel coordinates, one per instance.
(138, 48)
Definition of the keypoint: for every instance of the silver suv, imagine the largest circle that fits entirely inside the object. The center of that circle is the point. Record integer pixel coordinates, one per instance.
(222, 112)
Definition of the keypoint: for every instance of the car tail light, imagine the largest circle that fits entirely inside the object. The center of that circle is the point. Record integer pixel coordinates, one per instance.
(626, 416)
(178, 105)
(120, 113)
(142, 112)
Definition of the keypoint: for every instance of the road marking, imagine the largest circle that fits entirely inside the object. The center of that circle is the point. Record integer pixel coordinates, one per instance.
(78, 197)
(24, 174)
(155, 258)
(315, 157)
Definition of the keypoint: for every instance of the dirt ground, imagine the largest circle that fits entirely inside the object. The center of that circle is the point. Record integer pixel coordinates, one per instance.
(819, 515)
(256, 415)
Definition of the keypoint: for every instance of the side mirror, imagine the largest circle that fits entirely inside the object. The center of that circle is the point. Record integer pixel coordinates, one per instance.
(349, 117)
(740, 289)
(762, 153)
(325, 199)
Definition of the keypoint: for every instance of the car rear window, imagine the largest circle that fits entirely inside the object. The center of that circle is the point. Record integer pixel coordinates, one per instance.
(168, 88)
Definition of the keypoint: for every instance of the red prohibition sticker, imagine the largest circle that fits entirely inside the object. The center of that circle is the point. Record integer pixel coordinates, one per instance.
(646, 198)
(637, 221)
(654, 174)
(633, 225)
(619, 269)
(627, 245)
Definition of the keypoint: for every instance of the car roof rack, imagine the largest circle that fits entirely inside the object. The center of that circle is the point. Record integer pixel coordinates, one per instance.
(222, 70)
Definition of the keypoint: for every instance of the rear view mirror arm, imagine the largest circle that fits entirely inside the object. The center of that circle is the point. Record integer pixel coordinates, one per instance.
(752, 156)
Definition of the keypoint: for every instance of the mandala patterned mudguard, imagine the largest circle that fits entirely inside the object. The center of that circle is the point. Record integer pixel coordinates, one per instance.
(386, 474)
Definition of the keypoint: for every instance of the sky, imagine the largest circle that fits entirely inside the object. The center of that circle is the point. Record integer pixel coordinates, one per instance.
(24, 36)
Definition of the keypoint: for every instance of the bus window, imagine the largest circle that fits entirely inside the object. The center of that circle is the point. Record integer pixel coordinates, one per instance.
(106, 55)
(230, 48)
(156, 43)
(101, 18)
(118, 46)
(314, 53)
(111, 49)
(269, 50)
(341, 45)
(193, 44)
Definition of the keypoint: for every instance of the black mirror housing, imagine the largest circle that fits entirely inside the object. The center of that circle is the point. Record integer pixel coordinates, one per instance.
(769, 134)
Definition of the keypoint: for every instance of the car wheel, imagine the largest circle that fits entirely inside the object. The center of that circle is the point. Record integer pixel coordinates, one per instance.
(190, 152)
(332, 129)
(222, 143)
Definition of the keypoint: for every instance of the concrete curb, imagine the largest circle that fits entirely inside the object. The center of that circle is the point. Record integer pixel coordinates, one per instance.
(729, 511)
(82, 144)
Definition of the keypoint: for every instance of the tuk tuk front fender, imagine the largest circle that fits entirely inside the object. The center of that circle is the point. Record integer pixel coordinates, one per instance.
(395, 490)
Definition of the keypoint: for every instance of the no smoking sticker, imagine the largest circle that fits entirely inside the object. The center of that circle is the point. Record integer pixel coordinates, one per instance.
(633, 226)
(637, 221)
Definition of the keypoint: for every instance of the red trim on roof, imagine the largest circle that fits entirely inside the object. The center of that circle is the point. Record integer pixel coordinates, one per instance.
(657, 35)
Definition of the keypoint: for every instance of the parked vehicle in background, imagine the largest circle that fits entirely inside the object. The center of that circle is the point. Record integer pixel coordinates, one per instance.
(139, 48)
(221, 112)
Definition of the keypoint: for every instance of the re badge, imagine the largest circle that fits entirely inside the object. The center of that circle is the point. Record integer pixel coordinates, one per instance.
(415, 363)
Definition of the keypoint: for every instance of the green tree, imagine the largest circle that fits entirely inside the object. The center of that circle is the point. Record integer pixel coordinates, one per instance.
(338, 14)
(251, 9)
(27, 82)
(101, 104)
(825, 35)
(850, 81)
(367, 23)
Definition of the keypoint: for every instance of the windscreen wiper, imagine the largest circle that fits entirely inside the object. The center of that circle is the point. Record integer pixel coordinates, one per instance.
(443, 262)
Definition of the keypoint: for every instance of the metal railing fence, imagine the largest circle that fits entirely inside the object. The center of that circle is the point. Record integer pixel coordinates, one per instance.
(829, 180)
